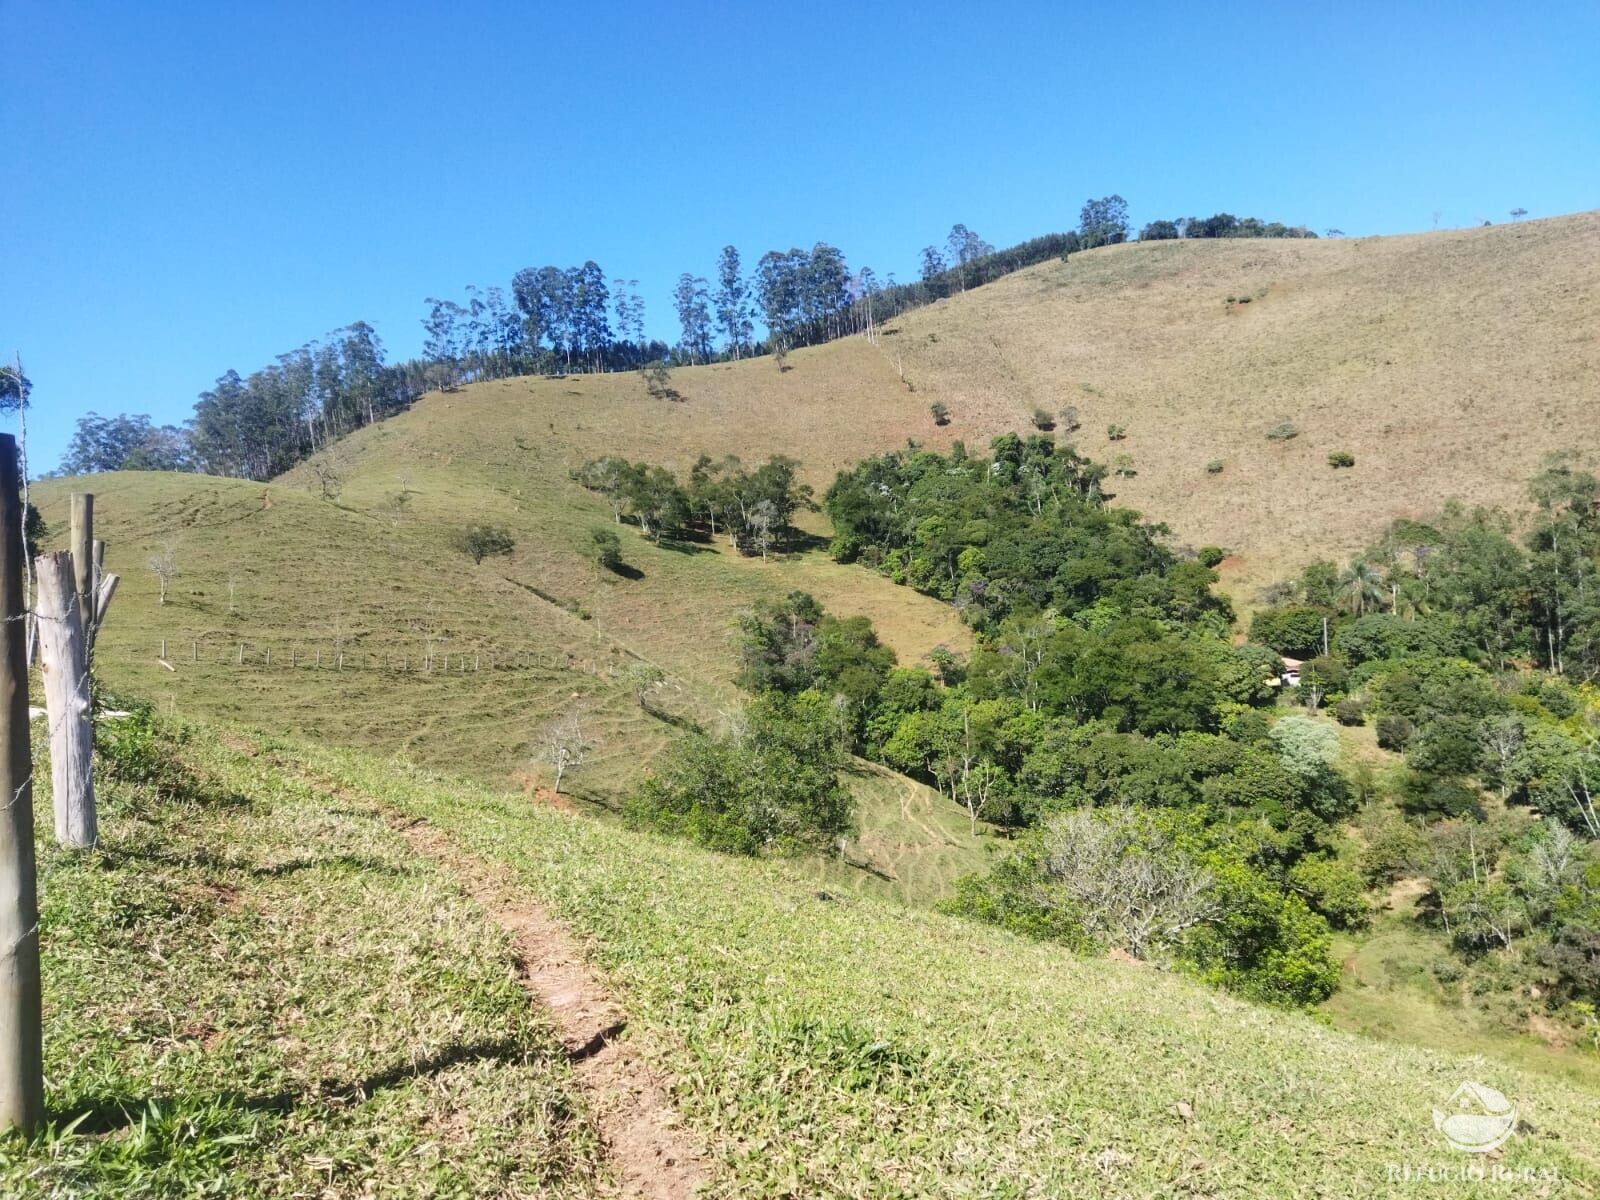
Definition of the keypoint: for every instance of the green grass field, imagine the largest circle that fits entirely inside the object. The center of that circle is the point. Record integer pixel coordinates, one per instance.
(254, 990)
(815, 1046)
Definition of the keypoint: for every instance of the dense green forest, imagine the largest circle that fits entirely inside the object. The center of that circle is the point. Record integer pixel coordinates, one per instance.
(1165, 792)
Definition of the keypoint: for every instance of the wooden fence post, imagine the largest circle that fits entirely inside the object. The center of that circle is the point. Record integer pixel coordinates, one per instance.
(269, 656)
(84, 582)
(21, 1037)
(241, 654)
(194, 651)
(64, 660)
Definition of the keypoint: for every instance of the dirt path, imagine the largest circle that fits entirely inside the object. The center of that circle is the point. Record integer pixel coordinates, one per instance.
(654, 1158)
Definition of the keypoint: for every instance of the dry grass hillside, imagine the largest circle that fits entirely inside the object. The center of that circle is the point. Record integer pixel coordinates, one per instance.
(1449, 364)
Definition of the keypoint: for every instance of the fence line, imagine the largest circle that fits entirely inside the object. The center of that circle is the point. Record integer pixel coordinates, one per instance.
(293, 657)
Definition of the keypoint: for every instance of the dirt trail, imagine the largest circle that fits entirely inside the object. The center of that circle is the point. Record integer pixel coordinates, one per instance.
(654, 1158)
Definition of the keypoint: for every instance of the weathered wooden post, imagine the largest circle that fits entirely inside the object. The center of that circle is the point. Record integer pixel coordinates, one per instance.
(241, 654)
(84, 582)
(21, 1037)
(64, 662)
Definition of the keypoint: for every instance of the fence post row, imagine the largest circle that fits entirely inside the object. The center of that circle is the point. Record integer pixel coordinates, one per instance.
(21, 1027)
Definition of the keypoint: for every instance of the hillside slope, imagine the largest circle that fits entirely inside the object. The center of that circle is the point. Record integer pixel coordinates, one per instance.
(823, 1046)
(1448, 363)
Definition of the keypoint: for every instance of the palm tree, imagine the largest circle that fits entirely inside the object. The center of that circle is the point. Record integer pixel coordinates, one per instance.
(1361, 587)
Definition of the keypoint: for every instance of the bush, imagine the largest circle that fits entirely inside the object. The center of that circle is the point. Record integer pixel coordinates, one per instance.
(1341, 458)
(940, 411)
(606, 548)
(483, 541)
(1210, 911)
(1283, 431)
(771, 787)
(1042, 420)
(1116, 432)
(1211, 556)
(1350, 711)
(1069, 419)
(1214, 467)
(1395, 733)
(1393, 849)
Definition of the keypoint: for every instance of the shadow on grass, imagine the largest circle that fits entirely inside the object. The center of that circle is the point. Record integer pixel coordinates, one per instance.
(687, 724)
(682, 546)
(112, 858)
(624, 571)
(107, 1114)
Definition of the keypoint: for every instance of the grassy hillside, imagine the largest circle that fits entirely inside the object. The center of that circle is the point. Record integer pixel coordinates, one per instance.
(251, 991)
(515, 640)
(1447, 363)
(824, 1046)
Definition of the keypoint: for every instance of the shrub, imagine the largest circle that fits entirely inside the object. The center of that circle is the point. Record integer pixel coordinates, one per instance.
(1211, 556)
(1394, 846)
(483, 541)
(1122, 466)
(606, 548)
(1069, 419)
(771, 787)
(1446, 745)
(940, 411)
(1350, 711)
(1214, 467)
(1116, 432)
(1204, 905)
(1042, 420)
(1341, 458)
(1395, 732)
(1283, 431)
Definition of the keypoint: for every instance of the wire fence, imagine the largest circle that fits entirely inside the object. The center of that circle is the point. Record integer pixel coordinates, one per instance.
(175, 653)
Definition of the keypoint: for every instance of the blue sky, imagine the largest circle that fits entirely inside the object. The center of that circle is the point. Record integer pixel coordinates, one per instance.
(198, 187)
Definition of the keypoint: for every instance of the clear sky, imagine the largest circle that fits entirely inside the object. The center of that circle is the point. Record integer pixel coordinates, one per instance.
(194, 187)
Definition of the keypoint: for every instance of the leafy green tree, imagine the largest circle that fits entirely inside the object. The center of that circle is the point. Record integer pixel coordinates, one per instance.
(479, 542)
(770, 787)
(605, 547)
(124, 443)
(1103, 222)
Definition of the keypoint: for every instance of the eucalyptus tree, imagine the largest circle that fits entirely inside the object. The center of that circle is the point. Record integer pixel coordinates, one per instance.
(733, 303)
(693, 301)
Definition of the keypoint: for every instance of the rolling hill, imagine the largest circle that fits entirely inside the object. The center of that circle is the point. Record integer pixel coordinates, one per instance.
(815, 1042)
(1449, 364)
